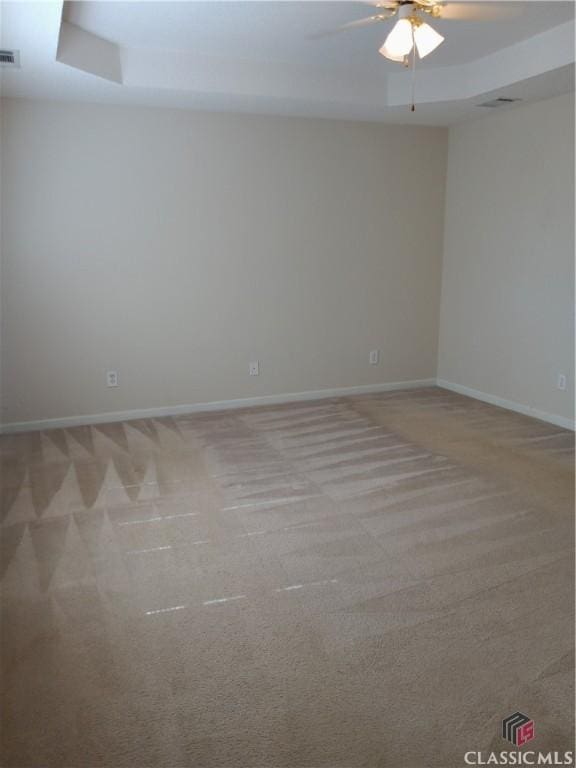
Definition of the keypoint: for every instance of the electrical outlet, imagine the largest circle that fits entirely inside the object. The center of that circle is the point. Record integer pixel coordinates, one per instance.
(255, 368)
(374, 357)
(111, 378)
(561, 382)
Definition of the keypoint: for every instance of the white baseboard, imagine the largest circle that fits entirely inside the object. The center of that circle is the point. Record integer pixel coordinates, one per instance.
(218, 405)
(559, 421)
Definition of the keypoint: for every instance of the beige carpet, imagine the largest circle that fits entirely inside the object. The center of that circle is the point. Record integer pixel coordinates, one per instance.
(349, 583)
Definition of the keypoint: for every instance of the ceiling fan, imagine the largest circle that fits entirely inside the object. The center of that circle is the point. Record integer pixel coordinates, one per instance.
(412, 35)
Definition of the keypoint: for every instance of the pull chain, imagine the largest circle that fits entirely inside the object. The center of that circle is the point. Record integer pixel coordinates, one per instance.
(413, 85)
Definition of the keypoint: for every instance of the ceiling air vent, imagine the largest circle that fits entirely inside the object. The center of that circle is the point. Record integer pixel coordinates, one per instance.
(501, 102)
(9, 58)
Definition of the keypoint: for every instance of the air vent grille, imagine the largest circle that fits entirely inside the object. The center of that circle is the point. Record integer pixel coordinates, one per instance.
(500, 102)
(9, 58)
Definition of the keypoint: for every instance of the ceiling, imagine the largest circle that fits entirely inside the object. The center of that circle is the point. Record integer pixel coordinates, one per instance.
(260, 56)
(280, 31)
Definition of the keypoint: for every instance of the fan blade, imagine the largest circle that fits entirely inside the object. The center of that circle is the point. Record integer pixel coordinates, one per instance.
(490, 11)
(359, 23)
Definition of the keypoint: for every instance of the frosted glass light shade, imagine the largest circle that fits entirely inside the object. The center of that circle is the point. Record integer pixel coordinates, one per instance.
(399, 42)
(426, 39)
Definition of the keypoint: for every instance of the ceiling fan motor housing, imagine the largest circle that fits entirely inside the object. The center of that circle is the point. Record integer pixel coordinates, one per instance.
(408, 7)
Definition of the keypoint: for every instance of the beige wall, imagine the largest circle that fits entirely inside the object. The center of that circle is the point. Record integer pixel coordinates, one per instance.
(176, 247)
(508, 273)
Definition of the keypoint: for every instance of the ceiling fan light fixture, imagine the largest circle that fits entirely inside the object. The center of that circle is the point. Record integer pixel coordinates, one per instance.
(426, 39)
(399, 42)
(388, 55)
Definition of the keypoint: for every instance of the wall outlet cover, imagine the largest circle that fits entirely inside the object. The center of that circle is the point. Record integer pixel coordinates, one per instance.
(111, 378)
